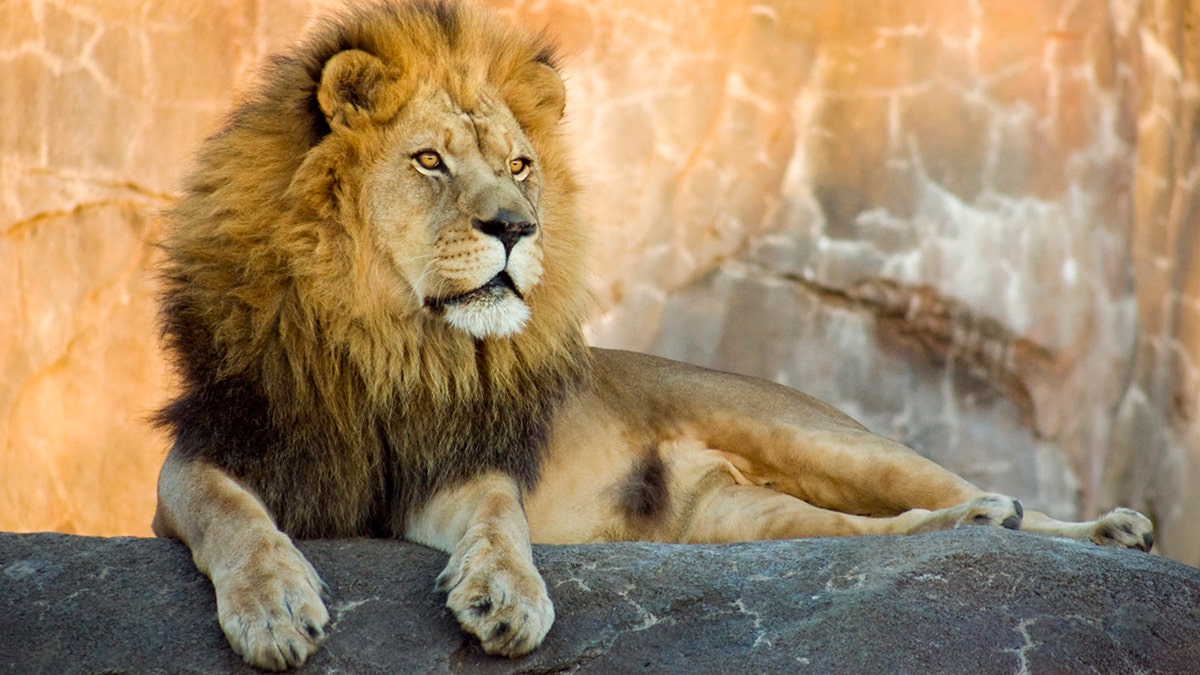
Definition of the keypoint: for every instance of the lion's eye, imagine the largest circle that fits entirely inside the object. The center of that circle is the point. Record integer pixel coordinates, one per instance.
(519, 167)
(429, 160)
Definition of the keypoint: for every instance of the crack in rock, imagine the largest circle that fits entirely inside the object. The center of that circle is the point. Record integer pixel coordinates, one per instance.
(1022, 652)
(343, 608)
(760, 636)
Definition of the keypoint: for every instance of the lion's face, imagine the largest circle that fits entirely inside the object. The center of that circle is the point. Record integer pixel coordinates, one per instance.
(446, 184)
(453, 203)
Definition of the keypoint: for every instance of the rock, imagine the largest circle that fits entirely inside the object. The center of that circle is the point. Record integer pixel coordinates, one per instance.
(974, 600)
(747, 163)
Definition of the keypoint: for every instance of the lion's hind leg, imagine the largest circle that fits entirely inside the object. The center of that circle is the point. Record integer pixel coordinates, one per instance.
(728, 505)
(269, 598)
(749, 512)
(713, 502)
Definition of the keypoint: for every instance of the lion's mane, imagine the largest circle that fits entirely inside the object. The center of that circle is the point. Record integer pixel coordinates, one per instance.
(296, 376)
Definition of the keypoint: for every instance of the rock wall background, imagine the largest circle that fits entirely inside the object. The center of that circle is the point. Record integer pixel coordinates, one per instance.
(971, 225)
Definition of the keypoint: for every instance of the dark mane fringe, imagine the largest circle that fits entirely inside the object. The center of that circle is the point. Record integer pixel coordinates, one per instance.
(342, 418)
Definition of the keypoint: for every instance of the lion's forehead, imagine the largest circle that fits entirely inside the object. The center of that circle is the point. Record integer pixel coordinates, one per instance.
(486, 128)
(464, 136)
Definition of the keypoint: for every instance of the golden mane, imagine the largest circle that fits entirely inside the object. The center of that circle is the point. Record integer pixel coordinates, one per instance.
(287, 342)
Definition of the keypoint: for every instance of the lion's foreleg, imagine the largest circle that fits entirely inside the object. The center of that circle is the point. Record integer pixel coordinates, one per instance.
(268, 596)
(493, 587)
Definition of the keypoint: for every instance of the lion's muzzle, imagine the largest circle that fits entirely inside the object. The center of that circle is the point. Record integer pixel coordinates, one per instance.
(494, 304)
(507, 226)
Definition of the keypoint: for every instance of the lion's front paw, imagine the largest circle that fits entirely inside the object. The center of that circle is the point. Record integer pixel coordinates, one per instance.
(991, 510)
(1124, 527)
(270, 607)
(499, 597)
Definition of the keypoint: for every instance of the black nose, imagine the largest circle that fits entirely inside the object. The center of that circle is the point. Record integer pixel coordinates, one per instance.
(507, 226)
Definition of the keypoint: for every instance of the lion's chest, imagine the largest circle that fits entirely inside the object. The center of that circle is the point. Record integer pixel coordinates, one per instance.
(366, 484)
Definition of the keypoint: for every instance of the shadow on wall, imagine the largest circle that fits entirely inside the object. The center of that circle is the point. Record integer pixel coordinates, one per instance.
(972, 227)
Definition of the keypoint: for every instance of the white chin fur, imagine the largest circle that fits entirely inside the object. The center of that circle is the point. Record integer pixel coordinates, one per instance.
(489, 317)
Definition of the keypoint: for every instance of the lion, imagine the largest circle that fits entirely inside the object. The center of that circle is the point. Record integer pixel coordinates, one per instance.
(374, 291)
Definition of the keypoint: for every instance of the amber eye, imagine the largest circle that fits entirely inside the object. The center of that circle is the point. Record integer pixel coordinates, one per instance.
(428, 160)
(518, 166)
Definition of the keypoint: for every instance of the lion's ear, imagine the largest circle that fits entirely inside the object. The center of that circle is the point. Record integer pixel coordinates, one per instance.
(357, 88)
(537, 96)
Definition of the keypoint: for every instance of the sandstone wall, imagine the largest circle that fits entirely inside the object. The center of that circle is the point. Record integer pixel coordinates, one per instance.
(971, 225)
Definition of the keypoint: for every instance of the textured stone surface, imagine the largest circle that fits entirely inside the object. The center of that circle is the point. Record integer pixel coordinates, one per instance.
(971, 225)
(980, 601)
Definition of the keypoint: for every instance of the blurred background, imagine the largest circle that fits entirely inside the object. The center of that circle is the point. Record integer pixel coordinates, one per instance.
(972, 226)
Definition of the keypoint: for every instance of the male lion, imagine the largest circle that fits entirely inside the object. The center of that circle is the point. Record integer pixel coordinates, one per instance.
(374, 289)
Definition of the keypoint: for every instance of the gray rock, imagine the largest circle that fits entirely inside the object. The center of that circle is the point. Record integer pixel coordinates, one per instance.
(969, 601)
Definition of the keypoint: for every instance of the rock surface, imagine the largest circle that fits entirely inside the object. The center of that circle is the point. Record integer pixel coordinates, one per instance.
(975, 600)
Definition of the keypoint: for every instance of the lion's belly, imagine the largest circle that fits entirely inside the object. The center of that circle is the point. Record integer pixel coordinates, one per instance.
(602, 481)
(575, 499)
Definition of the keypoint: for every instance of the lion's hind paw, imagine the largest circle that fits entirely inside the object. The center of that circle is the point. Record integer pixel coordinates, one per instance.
(992, 510)
(1125, 528)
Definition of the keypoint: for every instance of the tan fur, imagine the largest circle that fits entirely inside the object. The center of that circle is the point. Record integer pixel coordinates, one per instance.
(374, 291)
(747, 459)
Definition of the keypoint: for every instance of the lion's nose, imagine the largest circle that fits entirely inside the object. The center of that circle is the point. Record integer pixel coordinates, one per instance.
(507, 226)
